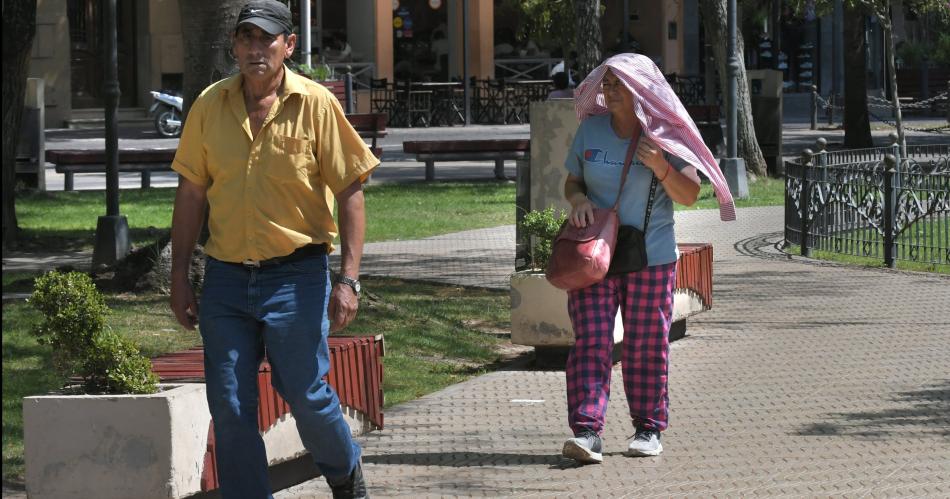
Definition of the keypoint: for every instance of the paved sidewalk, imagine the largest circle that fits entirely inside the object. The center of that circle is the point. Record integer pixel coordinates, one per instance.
(805, 380)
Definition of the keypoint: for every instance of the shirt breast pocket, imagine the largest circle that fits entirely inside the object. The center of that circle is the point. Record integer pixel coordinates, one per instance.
(290, 159)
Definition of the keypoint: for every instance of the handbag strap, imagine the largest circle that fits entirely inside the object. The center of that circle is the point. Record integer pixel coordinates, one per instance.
(623, 180)
(646, 217)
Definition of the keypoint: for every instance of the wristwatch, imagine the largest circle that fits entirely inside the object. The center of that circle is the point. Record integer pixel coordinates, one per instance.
(353, 283)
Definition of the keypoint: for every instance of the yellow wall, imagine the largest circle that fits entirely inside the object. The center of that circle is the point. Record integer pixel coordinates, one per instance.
(384, 39)
(167, 44)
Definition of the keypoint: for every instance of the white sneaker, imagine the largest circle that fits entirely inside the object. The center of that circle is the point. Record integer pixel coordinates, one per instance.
(646, 442)
(584, 448)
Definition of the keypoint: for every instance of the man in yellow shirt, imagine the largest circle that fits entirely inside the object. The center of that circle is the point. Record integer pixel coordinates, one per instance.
(269, 151)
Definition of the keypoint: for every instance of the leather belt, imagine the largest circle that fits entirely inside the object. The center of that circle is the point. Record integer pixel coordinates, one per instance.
(298, 254)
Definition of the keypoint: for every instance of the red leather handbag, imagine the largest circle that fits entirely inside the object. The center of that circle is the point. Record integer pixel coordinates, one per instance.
(580, 257)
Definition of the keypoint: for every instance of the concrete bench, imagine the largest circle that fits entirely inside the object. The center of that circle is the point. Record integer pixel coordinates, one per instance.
(144, 161)
(430, 151)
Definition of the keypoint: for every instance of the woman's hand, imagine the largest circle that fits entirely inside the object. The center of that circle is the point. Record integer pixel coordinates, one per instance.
(582, 211)
(652, 156)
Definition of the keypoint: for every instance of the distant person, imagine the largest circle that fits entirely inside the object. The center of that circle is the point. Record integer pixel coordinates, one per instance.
(274, 157)
(561, 89)
(561, 67)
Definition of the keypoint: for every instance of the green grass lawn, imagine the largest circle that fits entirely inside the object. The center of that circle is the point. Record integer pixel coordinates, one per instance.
(920, 233)
(435, 336)
(862, 261)
(764, 192)
(67, 220)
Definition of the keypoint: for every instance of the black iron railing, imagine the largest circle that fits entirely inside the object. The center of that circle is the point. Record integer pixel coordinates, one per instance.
(871, 203)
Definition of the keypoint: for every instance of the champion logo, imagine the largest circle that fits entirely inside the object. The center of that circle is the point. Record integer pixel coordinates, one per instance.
(593, 155)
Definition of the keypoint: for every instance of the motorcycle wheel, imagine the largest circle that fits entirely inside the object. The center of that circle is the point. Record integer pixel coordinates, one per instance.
(161, 122)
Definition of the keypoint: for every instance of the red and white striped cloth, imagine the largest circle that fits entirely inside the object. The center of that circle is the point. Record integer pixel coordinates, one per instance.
(663, 116)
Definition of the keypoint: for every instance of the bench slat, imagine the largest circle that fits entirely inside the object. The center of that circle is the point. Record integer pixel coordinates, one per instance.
(466, 146)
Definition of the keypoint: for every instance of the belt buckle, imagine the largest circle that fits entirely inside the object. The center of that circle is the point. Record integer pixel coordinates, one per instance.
(251, 263)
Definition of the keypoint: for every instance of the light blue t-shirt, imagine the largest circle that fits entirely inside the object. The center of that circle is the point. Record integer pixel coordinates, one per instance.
(597, 156)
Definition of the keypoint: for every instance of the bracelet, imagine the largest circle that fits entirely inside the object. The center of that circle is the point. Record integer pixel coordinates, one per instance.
(668, 168)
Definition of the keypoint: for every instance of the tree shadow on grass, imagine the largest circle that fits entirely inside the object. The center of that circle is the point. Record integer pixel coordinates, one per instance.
(925, 412)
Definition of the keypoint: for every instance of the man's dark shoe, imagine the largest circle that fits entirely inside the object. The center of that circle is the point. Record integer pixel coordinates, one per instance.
(352, 487)
(646, 442)
(585, 448)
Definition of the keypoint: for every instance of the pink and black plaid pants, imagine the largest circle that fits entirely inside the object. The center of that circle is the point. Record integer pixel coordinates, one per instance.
(645, 299)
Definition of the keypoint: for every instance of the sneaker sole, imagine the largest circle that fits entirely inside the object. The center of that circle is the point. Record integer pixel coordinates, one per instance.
(576, 452)
(644, 453)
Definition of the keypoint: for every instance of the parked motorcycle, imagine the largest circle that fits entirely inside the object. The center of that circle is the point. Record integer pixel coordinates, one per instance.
(167, 112)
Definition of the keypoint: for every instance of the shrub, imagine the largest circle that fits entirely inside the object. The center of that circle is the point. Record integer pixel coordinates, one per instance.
(543, 225)
(74, 327)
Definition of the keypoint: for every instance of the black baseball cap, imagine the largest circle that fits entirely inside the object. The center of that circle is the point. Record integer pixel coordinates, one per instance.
(270, 15)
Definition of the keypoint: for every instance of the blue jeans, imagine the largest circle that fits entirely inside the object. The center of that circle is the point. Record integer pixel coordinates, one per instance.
(281, 308)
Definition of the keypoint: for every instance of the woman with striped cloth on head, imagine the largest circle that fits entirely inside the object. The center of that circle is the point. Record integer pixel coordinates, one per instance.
(626, 106)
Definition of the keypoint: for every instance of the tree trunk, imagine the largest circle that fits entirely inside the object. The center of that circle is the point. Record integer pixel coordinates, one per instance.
(891, 68)
(206, 26)
(857, 124)
(715, 27)
(19, 26)
(588, 36)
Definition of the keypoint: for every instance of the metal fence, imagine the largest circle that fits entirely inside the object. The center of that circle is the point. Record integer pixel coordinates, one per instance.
(871, 203)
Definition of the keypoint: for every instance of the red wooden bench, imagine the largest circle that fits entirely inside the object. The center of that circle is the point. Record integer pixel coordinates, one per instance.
(144, 161)
(356, 374)
(370, 126)
(430, 151)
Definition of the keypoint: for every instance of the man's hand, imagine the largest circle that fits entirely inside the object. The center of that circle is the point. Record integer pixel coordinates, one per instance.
(342, 308)
(183, 303)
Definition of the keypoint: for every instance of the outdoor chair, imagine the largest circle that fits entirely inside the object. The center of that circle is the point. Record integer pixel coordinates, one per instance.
(381, 96)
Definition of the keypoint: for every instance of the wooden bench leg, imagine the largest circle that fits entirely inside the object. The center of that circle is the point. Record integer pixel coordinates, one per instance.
(500, 169)
(430, 169)
(68, 181)
(146, 179)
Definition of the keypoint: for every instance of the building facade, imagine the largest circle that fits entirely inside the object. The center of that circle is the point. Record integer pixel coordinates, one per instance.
(405, 39)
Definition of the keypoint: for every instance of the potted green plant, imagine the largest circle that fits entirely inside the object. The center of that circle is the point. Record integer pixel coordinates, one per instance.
(539, 315)
(113, 431)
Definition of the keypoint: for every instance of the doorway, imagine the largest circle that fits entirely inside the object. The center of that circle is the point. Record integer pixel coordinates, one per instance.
(88, 63)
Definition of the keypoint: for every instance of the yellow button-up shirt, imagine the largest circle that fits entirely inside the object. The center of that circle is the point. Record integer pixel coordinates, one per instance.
(273, 193)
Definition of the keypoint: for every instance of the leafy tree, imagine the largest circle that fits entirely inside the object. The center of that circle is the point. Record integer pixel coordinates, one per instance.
(19, 27)
(717, 36)
(880, 9)
(588, 44)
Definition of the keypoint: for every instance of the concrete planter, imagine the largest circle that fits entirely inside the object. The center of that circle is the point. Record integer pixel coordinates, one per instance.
(116, 446)
(539, 315)
(130, 446)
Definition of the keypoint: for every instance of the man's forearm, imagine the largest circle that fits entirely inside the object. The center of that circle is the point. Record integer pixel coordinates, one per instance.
(352, 229)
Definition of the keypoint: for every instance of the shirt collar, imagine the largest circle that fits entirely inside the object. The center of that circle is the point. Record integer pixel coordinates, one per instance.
(293, 83)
